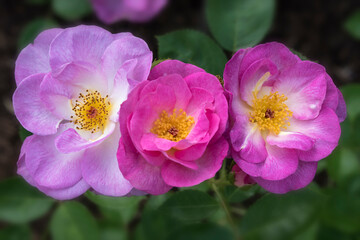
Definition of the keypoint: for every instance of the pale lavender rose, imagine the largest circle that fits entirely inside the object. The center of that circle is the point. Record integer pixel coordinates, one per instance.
(284, 115)
(172, 127)
(110, 11)
(70, 85)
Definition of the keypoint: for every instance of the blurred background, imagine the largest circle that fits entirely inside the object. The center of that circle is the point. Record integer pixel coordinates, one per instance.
(325, 31)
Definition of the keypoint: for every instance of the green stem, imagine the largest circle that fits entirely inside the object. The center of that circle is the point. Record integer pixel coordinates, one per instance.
(225, 206)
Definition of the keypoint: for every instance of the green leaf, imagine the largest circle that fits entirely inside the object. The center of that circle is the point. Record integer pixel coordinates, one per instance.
(114, 202)
(20, 202)
(156, 225)
(235, 194)
(208, 231)
(329, 233)
(280, 216)
(309, 233)
(190, 205)
(193, 47)
(112, 233)
(352, 24)
(32, 29)
(72, 220)
(342, 209)
(342, 164)
(24, 133)
(204, 187)
(239, 23)
(116, 207)
(71, 10)
(21, 232)
(351, 94)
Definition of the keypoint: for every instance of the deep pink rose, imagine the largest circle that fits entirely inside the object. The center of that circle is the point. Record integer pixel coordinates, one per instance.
(70, 85)
(284, 115)
(172, 128)
(110, 11)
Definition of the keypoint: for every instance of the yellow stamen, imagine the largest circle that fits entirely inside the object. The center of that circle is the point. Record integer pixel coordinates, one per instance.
(91, 111)
(270, 112)
(174, 127)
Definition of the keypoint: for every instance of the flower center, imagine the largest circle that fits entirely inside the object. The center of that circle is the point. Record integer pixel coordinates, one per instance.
(270, 112)
(174, 127)
(91, 111)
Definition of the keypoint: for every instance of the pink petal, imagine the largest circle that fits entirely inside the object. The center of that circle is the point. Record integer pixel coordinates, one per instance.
(100, 168)
(211, 84)
(292, 140)
(56, 96)
(200, 99)
(248, 141)
(341, 108)
(325, 132)
(30, 110)
(142, 175)
(276, 52)
(279, 164)
(148, 110)
(304, 85)
(173, 67)
(255, 76)
(82, 76)
(67, 193)
(21, 166)
(71, 141)
(231, 73)
(177, 175)
(81, 44)
(34, 58)
(152, 142)
(301, 178)
(50, 168)
(125, 49)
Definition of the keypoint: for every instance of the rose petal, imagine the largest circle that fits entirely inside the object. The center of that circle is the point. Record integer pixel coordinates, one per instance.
(301, 178)
(30, 110)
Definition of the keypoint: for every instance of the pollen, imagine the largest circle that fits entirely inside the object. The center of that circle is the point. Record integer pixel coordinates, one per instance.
(91, 111)
(270, 113)
(174, 127)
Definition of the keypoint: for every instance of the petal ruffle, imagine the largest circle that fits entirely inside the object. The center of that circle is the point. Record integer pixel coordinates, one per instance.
(125, 49)
(34, 58)
(81, 44)
(302, 177)
(292, 140)
(177, 175)
(279, 164)
(173, 67)
(325, 132)
(30, 110)
(304, 85)
(48, 167)
(101, 171)
(142, 175)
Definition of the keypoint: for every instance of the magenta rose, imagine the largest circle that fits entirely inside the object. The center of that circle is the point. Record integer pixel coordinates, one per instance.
(172, 128)
(110, 11)
(284, 115)
(70, 85)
